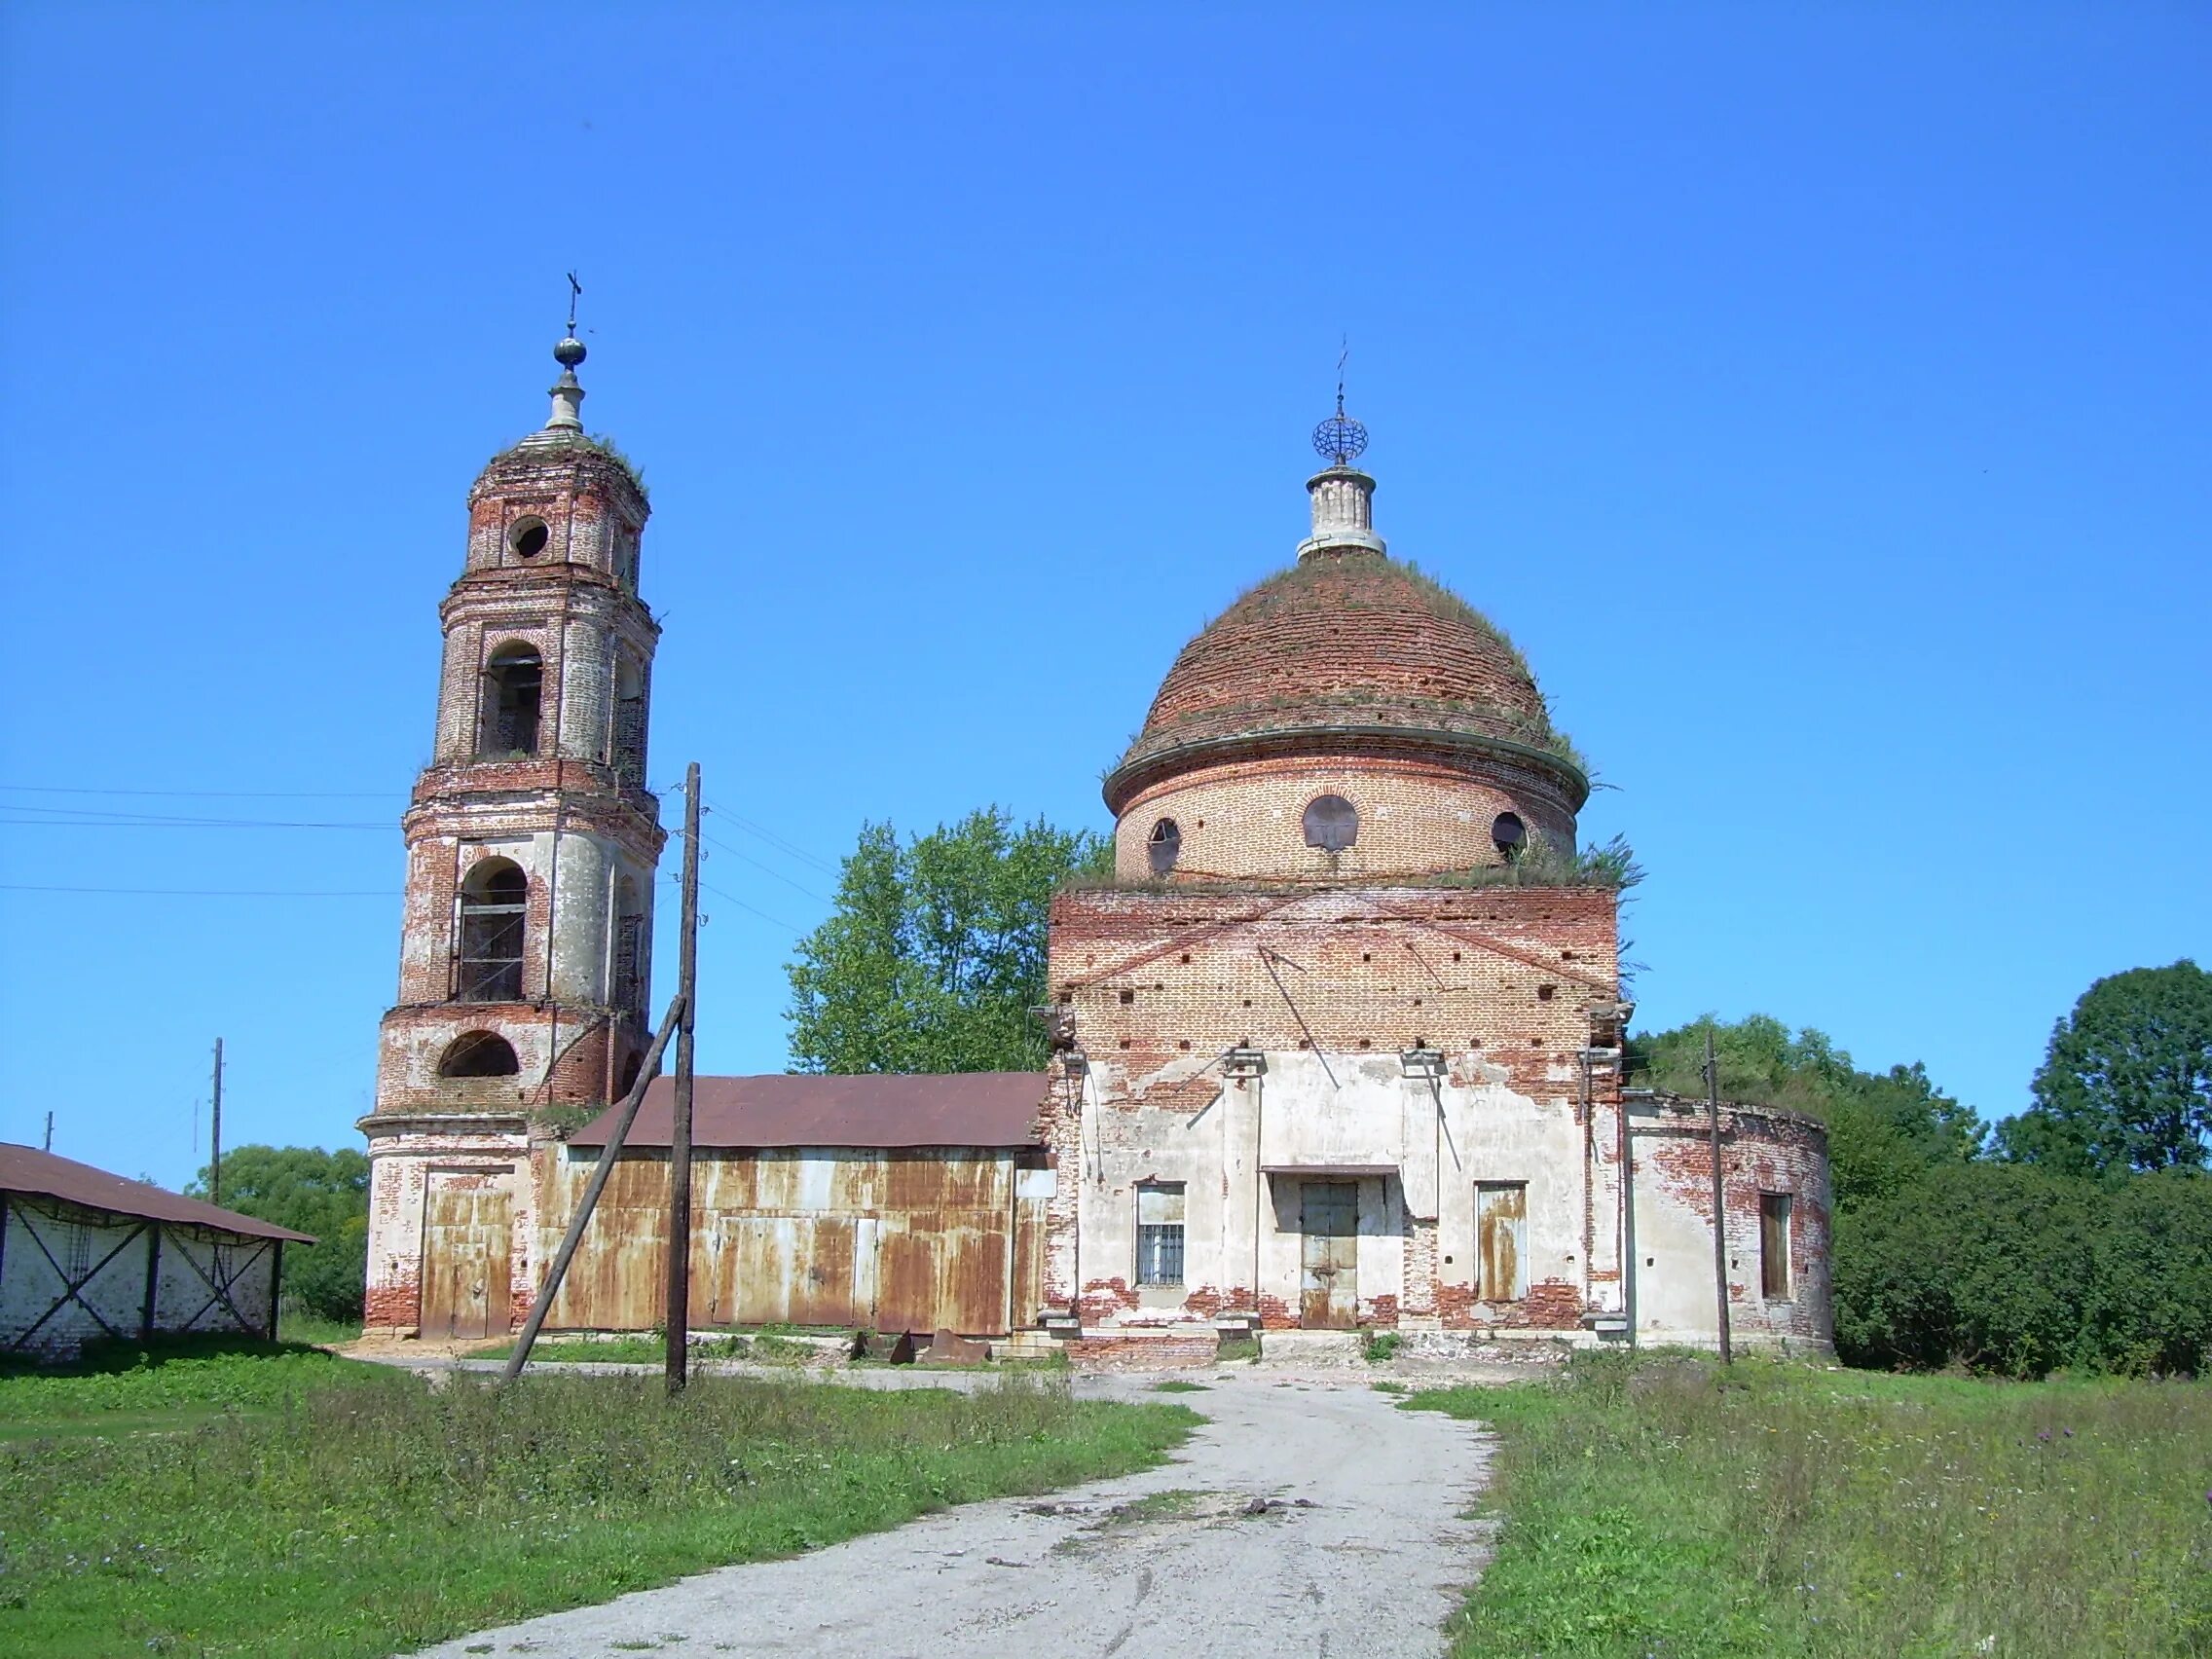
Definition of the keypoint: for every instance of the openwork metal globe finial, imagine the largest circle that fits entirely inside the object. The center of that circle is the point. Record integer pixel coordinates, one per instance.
(1340, 439)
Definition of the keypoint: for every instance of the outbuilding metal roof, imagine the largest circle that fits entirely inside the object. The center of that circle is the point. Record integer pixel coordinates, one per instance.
(26, 1169)
(979, 1109)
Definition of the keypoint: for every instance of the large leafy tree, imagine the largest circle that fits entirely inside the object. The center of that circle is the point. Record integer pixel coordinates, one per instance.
(935, 955)
(311, 1191)
(2127, 1083)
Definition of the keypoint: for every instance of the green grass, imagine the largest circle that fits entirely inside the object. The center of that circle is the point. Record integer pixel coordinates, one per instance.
(296, 1326)
(189, 1376)
(1665, 1508)
(646, 1349)
(1178, 1385)
(299, 1505)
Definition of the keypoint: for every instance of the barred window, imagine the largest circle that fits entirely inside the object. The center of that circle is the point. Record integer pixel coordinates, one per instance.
(628, 745)
(1160, 1233)
(492, 901)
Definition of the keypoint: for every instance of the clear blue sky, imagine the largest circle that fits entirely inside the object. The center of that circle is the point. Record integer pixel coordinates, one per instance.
(1820, 397)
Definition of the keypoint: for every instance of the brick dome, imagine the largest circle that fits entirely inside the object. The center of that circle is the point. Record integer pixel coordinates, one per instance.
(1347, 654)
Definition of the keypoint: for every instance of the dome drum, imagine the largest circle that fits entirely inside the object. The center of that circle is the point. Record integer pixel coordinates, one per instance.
(1248, 821)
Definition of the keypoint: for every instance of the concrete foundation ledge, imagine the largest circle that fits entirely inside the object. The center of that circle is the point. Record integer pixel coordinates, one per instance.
(1314, 1347)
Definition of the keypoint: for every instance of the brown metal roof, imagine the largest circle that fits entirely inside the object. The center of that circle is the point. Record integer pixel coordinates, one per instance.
(871, 1110)
(26, 1169)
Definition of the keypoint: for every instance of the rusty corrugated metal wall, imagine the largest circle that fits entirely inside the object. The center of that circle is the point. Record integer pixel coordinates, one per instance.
(828, 1237)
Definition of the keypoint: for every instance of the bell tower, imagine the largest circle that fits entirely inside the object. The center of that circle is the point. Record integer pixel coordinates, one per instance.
(532, 843)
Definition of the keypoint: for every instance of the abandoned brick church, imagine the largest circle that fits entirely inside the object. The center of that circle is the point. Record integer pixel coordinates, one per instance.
(1338, 1049)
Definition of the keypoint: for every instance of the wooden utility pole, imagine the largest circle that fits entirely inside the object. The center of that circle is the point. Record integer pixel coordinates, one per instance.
(680, 1125)
(648, 1069)
(216, 1133)
(1719, 1210)
(1628, 1219)
(48, 1147)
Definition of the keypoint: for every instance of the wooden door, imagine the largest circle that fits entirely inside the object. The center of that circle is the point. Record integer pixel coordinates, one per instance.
(1774, 1246)
(1501, 1242)
(465, 1243)
(1329, 1279)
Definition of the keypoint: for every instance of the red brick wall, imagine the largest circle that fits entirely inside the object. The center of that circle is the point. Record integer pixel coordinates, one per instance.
(1509, 972)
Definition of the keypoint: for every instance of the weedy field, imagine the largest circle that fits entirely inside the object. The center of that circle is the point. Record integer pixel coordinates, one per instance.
(275, 1500)
(766, 1346)
(1666, 1508)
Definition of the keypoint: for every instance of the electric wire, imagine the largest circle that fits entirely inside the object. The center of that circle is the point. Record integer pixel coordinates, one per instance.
(737, 853)
(774, 840)
(720, 893)
(87, 818)
(207, 794)
(213, 892)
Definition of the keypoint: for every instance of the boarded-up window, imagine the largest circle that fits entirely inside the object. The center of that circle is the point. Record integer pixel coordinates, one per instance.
(1331, 823)
(1160, 1233)
(1502, 1240)
(1774, 1246)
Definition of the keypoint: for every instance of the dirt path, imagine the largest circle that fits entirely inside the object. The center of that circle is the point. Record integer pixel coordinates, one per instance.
(1305, 1518)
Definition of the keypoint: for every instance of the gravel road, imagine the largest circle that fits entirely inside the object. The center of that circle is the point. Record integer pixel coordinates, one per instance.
(1305, 1518)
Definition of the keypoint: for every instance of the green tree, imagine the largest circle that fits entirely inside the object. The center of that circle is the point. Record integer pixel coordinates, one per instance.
(1885, 1128)
(2127, 1083)
(313, 1190)
(935, 955)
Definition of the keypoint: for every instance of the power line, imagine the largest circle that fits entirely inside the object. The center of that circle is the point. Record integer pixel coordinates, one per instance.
(774, 840)
(757, 864)
(208, 795)
(211, 892)
(86, 818)
(743, 905)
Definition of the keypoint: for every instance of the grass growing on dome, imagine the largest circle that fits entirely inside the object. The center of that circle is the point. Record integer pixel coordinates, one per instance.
(1609, 863)
(545, 448)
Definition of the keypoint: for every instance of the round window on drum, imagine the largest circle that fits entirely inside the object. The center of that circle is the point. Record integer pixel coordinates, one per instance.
(1332, 822)
(1509, 835)
(1163, 846)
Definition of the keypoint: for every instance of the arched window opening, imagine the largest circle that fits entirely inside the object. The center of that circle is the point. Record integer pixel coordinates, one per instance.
(628, 1076)
(514, 684)
(492, 901)
(626, 989)
(1332, 822)
(626, 559)
(479, 1053)
(629, 744)
(1509, 835)
(1163, 846)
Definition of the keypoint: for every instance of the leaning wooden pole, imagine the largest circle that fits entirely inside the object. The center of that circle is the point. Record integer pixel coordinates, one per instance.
(1720, 1193)
(680, 1119)
(647, 1070)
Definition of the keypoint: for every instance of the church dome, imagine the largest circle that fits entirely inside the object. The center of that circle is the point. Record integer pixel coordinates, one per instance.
(1346, 718)
(1345, 647)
